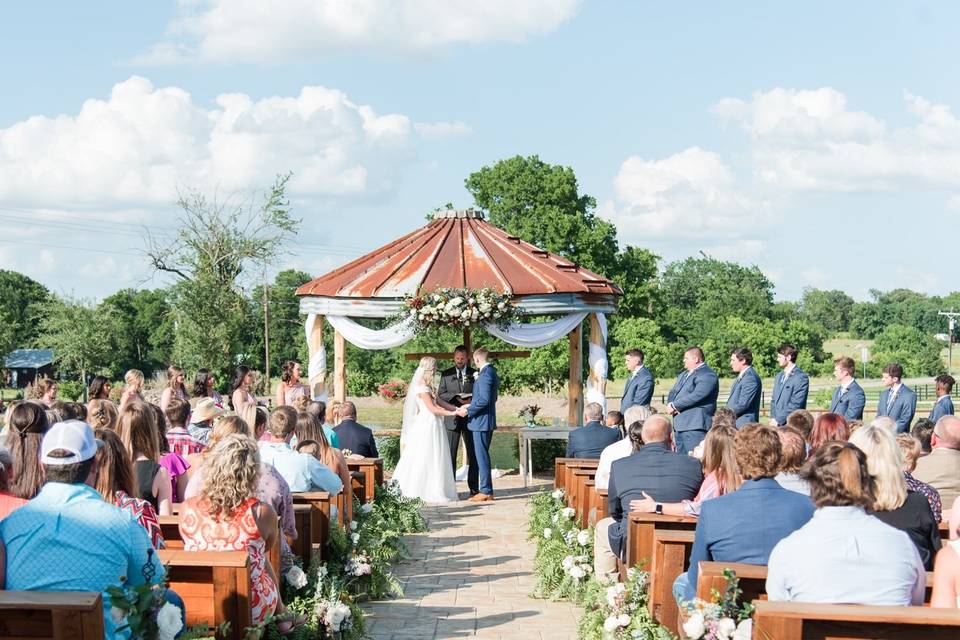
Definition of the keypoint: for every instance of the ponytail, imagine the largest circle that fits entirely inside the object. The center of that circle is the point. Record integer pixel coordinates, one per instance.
(848, 464)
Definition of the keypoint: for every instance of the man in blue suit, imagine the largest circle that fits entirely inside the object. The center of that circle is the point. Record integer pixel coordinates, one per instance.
(693, 400)
(944, 405)
(590, 440)
(482, 420)
(744, 399)
(848, 399)
(639, 387)
(790, 387)
(745, 525)
(897, 401)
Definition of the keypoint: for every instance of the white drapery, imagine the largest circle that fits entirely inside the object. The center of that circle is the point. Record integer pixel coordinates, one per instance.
(536, 334)
(317, 367)
(360, 336)
(597, 360)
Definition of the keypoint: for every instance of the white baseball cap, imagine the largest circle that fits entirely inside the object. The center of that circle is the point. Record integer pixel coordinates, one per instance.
(73, 436)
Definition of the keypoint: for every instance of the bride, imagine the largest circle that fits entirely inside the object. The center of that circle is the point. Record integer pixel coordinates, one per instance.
(424, 470)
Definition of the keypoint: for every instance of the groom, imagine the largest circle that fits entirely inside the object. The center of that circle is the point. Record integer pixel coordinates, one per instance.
(482, 420)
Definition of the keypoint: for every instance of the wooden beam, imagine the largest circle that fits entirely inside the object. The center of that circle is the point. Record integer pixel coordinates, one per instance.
(447, 355)
(318, 379)
(575, 382)
(467, 342)
(339, 367)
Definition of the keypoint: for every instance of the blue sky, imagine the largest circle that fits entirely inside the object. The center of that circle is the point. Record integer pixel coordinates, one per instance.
(817, 140)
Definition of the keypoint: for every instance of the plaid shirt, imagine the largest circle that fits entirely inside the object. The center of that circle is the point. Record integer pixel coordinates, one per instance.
(182, 442)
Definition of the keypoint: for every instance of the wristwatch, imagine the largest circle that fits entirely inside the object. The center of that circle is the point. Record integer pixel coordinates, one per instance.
(658, 509)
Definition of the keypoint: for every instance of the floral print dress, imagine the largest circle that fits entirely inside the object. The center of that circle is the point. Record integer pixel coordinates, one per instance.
(203, 532)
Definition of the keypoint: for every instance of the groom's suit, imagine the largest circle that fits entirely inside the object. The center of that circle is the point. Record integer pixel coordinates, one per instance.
(482, 421)
(454, 382)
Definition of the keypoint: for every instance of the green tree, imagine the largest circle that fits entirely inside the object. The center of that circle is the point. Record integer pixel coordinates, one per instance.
(287, 338)
(830, 309)
(919, 353)
(20, 299)
(664, 360)
(146, 339)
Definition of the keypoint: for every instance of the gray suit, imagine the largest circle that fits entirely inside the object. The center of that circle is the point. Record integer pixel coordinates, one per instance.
(694, 396)
(451, 386)
(744, 398)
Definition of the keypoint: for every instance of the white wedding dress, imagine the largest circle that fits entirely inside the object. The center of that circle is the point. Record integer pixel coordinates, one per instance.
(424, 470)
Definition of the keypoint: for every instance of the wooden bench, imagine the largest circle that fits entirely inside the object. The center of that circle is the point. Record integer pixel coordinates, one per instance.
(640, 533)
(944, 531)
(320, 502)
(52, 615)
(372, 470)
(302, 547)
(799, 621)
(671, 555)
(214, 585)
(580, 496)
(358, 485)
(570, 479)
(559, 472)
(170, 526)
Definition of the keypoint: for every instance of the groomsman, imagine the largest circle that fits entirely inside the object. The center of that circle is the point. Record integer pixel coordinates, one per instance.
(639, 387)
(693, 400)
(790, 387)
(456, 383)
(744, 399)
(848, 399)
(944, 405)
(897, 401)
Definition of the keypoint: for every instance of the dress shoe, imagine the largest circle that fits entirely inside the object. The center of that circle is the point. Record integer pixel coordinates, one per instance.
(480, 497)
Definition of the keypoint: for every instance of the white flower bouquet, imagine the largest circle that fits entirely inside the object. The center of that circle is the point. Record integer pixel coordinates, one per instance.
(459, 308)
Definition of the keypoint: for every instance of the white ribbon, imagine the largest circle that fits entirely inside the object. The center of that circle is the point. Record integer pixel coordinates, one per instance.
(317, 366)
(597, 360)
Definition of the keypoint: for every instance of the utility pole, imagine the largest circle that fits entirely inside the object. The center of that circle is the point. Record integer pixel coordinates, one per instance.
(951, 326)
(266, 331)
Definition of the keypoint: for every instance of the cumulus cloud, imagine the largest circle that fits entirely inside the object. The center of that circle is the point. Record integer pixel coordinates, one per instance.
(135, 148)
(249, 31)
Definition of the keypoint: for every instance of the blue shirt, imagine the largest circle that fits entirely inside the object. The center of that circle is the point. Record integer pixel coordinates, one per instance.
(68, 539)
(332, 437)
(302, 471)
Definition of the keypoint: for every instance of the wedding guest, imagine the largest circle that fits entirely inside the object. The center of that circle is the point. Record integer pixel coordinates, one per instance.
(843, 555)
(826, 428)
(175, 388)
(178, 438)
(884, 422)
(720, 475)
(175, 464)
(724, 417)
(142, 441)
(240, 389)
(310, 429)
(73, 411)
(590, 440)
(290, 387)
(133, 383)
(747, 390)
(802, 421)
(898, 401)
(944, 405)
(205, 386)
(201, 420)
(922, 430)
(941, 468)
(8, 502)
(614, 420)
(653, 468)
(790, 386)
(99, 389)
(319, 409)
(116, 484)
(332, 418)
(892, 503)
(47, 392)
(102, 414)
(794, 454)
(353, 435)
(638, 390)
(68, 538)
(910, 450)
(621, 448)
(854, 425)
(301, 471)
(724, 532)
(848, 398)
(26, 425)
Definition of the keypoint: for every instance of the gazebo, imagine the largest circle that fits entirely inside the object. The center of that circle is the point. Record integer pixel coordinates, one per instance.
(459, 249)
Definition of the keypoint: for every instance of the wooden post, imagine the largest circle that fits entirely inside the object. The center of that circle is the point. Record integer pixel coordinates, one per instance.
(575, 383)
(318, 379)
(596, 338)
(467, 341)
(339, 367)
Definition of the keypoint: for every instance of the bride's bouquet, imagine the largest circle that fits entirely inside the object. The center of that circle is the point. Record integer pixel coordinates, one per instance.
(393, 390)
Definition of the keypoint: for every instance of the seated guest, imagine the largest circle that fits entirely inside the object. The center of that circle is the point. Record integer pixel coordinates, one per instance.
(256, 418)
(922, 430)
(26, 424)
(944, 405)
(720, 475)
(302, 472)
(843, 555)
(141, 439)
(946, 577)
(794, 454)
(175, 464)
(8, 502)
(318, 409)
(178, 438)
(68, 538)
(102, 414)
(941, 469)
(621, 448)
(802, 421)
(352, 435)
(590, 440)
(615, 421)
(73, 411)
(908, 511)
(201, 421)
(116, 484)
(885, 422)
(745, 525)
(652, 469)
(310, 428)
(910, 450)
(827, 427)
(227, 516)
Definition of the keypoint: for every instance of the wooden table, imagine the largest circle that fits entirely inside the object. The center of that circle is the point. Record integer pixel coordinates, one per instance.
(526, 434)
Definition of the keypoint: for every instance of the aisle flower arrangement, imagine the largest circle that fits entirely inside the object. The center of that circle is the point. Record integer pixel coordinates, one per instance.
(563, 562)
(620, 611)
(722, 618)
(459, 309)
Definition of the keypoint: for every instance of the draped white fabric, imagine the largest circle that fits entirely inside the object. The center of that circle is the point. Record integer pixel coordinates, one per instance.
(317, 367)
(537, 334)
(597, 360)
(360, 336)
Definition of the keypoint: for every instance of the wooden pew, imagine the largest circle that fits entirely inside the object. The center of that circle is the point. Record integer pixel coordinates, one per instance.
(640, 533)
(319, 501)
(560, 472)
(170, 526)
(671, 555)
(372, 469)
(591, 504)
(52, 615)
(570, 479)
(302, 547)
(580, 495)
(944, 531)
(799, 621)
(214, 585)
(358, 485)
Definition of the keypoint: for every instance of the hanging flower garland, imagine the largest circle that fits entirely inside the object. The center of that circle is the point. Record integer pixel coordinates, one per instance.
(459, 309)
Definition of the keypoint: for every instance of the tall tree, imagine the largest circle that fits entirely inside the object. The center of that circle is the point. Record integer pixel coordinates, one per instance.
(287, 338)
(20, 299)
(83, 336)
(146, 340)
(832, 309)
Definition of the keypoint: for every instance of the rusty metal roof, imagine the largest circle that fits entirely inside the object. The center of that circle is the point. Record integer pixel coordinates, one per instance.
(459, 249)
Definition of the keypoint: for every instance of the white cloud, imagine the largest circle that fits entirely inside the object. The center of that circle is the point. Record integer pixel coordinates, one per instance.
(137, 147)
(250, 31)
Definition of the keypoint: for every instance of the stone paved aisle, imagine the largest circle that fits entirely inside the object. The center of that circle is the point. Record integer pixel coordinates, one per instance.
(469, 576)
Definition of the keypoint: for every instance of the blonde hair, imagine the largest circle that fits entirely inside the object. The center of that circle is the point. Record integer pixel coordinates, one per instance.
(139, 432)
(228, 426)
(719, 456)
(427, 364)
(333, 412)
(910, 448)
(231, 474)
(134, 378)
(885, 464)
(172, 372)
(102, 414)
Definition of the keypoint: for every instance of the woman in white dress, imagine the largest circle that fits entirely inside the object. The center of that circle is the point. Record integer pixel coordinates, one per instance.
(424, 470)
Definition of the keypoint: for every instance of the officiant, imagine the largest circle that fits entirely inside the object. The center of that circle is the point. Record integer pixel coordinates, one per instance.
(456, 387)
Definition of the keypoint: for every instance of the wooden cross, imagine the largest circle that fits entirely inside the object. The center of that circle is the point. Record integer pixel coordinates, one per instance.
(445, 355)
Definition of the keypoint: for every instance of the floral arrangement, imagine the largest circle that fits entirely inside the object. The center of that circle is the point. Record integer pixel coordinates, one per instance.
(459, 309)
(528, 413)
(393, 390)
(722, 618)
(564, 556)
(620, 611)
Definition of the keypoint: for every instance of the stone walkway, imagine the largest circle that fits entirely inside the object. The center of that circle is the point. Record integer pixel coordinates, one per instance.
(470, 576)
